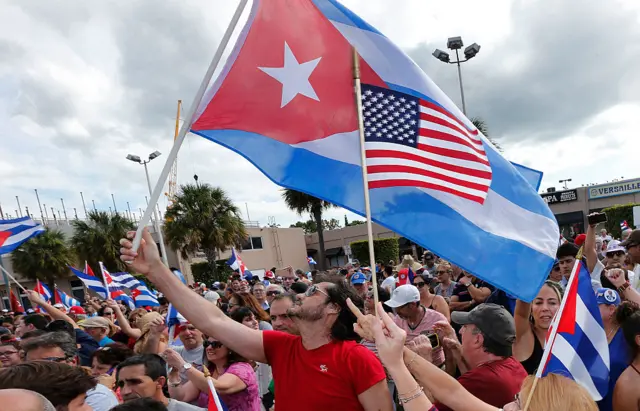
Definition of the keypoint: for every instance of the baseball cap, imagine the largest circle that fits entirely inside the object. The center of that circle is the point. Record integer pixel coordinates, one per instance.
(59, 306)
(269, 274)
(429, 255)
(358, 278)
(634, 239)
(608, 296)
(402, 295)
(76, 310)
(580, 239)
(608, 238)
(493, 320)
(96, 322)
(614, 245)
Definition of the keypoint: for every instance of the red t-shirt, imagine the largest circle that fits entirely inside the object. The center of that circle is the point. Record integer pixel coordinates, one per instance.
(328, 378)
(495, 383)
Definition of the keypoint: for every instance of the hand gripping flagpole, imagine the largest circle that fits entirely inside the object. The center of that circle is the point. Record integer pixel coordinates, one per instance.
(186, 125)
(365, 180)
(554, 329)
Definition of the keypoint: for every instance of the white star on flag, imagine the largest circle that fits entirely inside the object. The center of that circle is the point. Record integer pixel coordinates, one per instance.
(294, 76)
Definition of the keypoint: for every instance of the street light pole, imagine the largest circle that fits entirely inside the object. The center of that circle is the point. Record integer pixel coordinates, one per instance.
(455, 43)
(137, 159)
(464, 105)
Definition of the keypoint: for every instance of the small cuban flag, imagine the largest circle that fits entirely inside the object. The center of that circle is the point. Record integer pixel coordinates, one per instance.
(311, 261)
(17, 231)
(624, 225)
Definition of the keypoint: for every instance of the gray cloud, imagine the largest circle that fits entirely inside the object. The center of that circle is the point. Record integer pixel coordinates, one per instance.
(560, 67)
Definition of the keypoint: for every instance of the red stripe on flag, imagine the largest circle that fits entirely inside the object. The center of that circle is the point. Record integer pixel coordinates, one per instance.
(415, 183)
(429, 162)
(439, 135)
(441, 110)
(453, 154)
(426, 173)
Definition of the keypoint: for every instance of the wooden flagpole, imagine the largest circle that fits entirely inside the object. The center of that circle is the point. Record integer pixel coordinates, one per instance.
(554, 329)
(365, 180)
(14, 280)
(186, 125)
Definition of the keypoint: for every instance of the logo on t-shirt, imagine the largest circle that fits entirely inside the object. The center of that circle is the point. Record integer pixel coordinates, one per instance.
(323, 368)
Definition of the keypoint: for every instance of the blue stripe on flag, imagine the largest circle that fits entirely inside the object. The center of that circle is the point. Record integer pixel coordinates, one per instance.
(338, 13)
(92, 283)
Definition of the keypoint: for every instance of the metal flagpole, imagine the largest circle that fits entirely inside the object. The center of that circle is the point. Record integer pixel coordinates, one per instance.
(94, 206)
(129, 208)
(54, 216)
(45, 213)
(115, 209)
(1, 213)
(186, 125)
(19, 208)
(75, 212)
(83, 206)
(365, 180)
(39, 205)
(64, 210)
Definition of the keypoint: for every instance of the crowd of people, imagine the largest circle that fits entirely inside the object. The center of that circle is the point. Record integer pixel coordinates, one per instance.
(441, 340)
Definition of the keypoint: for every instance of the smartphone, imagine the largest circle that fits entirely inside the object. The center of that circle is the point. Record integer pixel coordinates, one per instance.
(597, 218)
(433, 338)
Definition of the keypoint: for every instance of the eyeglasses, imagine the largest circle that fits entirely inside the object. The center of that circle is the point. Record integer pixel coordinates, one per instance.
(272, 293)
(54, 359)
(420, 285)
(618, 253)
(108, 313)
(315, 289)
(442, 272)
(213, 344)
(7, 353)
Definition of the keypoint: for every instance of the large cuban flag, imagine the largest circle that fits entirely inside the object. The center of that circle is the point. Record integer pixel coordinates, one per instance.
(17, 231)
(285, 101)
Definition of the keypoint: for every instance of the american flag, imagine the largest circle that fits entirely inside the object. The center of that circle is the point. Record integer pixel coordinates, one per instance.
(415, 143)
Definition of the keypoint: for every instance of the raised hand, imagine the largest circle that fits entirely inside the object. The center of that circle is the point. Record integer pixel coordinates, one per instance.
(173, 359)
(143, 259)
(445, 329)
(363, 326)
(157, 326)
(35, 297)
(389, 339)
(616, 276)
(422, 346)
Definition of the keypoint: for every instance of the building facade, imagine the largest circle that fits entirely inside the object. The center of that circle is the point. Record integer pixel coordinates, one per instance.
(571, 207)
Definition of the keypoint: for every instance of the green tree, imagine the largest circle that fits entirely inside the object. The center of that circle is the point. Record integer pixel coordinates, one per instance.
(303, 203)
(98, 239)
(482, 126)
(356, 222)
(203, 218)
(44, 257)
(308, 226)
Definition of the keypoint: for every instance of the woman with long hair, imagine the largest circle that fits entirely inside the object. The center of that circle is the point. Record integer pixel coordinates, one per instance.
(233, 378)
(263, 372)
(626, 395)
(553, 392)
(239, 300)
(429, 300)
(532, 322)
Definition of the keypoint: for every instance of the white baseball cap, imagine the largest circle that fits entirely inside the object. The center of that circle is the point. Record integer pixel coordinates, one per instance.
(402, 295)
(614, 245)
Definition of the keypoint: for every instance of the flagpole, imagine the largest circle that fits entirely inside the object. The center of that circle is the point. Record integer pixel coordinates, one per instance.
(13, 278)
(104, 280)
(186, 125)
(213, 392)
(365, 180)
(554, 329)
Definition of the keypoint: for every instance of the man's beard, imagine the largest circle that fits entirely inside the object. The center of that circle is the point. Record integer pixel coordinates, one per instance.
(306, 314)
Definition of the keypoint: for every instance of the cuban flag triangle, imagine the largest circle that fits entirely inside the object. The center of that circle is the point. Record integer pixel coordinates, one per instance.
(577, 344)
(114, 289)
(139, 291)
(91, 282)
(311, 261)
(43, 290)
(624, 225)
(17, 231)
(66, 300)
(236, 264)
(287, 105)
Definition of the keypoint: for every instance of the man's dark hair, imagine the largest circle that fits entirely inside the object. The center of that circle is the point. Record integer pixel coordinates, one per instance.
(141, 404)
(567, 250)
(154, 366)
(38, 321)
(284, 296)
(60, 339)
(388, 270)
(299, 287)
(112, 354)
(33, 334)
(339, 291)
(163, 301)
(344, 271)
(58, 382)
(61, 325)
(493, 347)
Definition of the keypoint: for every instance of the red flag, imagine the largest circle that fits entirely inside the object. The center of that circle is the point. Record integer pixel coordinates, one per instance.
(58, 300)
(214, 401)
(87, 269)
(16, 306)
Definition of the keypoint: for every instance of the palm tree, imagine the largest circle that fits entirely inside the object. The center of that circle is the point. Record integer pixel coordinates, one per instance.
(203, 218)
(482, 126)
(44, 257)
(98, 239)
(304, 203)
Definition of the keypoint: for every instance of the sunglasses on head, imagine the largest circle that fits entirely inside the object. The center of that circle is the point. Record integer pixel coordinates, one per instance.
(618, 253)
(213, 344)
(314, 289)
(272, 293)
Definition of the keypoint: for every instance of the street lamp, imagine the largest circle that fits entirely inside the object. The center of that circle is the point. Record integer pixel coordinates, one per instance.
(565, 183)
(137, 159)
(455, 43)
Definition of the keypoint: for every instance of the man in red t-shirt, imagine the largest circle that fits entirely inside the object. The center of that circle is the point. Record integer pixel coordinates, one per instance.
(494, 376)
(323, 368)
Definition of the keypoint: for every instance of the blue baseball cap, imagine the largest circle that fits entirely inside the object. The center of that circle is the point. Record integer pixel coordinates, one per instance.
(608, 296)
(358, 278)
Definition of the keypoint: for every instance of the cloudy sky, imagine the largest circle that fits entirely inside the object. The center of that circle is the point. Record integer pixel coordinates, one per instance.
(82, 84)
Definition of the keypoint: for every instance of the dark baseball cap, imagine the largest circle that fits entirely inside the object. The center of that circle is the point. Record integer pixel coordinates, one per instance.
(493, 320)
(634, 239)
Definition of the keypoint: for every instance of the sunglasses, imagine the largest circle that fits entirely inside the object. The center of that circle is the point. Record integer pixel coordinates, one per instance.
(54, 359)
(420, 285)
(315, 289)
(213, 344)
(272, 293)
(618, 253)
(442, 272)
